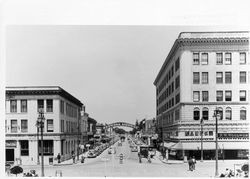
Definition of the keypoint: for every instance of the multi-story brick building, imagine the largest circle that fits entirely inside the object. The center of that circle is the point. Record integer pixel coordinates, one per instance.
(62, 118)
(202, 72)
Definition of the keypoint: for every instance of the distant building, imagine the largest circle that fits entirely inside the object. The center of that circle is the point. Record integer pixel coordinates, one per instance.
(205, 71)
(84, 127)
(61, 127)
(91, 127)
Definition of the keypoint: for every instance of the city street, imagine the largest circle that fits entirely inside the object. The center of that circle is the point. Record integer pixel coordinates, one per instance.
(108, 165)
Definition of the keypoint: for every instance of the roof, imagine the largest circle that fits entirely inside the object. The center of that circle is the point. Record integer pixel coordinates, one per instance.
(42, 90)
(205, 37)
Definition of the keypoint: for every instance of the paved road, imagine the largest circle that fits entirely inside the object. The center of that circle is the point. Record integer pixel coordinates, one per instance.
(108, 165)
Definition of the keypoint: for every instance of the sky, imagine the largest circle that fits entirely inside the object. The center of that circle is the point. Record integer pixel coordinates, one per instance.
(110, 69)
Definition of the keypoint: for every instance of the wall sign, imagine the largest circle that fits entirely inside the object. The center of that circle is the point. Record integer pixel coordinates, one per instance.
(233, 135)
(10, 143)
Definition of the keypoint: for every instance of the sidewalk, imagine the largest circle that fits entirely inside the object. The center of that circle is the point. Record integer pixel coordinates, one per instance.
(169, 161)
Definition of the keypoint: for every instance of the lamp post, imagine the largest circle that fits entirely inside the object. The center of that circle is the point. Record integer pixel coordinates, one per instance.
(40, 123)
(202, 123)
(216, 115)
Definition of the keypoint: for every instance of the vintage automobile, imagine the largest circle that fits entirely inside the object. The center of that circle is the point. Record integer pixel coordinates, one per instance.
(146, 150)
(91, 154)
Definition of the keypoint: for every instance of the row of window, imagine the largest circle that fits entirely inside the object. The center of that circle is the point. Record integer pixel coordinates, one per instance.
(219, 77)
(219, 95)
(169, 75)
(70, 126)
(169, 90)
(228, 113)
(169, 104)
(221, 58)
(14, 127)
(169, 117)
(48, 147)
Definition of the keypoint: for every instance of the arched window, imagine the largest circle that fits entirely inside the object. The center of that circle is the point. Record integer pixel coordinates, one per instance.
(196, 114)
(205, 113)
(243, 113)
(220, 111)
(228, 113)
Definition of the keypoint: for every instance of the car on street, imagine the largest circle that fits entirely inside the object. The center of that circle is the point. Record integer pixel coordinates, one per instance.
(91, 154)
(134, 149)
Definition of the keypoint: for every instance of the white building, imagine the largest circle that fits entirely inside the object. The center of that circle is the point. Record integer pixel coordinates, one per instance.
(62, 118)
(202, 72)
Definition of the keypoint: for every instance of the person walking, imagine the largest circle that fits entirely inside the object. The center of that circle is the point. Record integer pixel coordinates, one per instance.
(58, 158)
(193, 163)
(139, 155)
(190, 161)
(73, 156)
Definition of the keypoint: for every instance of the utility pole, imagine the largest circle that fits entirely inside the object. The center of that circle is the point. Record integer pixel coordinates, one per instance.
(202, 122)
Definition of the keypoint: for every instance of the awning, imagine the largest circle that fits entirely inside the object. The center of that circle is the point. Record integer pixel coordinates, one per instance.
(210, 146)
(168, 144)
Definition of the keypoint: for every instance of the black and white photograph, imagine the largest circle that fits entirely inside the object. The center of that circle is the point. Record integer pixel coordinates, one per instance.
(117, 96)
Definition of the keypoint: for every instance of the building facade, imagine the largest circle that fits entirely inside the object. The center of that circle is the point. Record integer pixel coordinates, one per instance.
(205, 71)
(61, 126)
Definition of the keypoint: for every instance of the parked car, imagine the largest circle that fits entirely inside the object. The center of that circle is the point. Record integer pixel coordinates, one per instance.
(134, 149)
(91, 154)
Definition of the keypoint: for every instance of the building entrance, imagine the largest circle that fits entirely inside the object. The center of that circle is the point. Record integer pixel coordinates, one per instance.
(10, 156)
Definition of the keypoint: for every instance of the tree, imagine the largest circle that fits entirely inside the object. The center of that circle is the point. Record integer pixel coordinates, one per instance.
(16, 170)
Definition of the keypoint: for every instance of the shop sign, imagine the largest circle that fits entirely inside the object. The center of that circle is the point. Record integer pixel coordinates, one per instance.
(10, 143)
(233, 135)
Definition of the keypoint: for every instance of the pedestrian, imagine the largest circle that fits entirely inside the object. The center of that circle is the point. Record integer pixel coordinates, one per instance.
(58, 158)
(193, 163)
(139, 155)
(73, 156)
(190, 161)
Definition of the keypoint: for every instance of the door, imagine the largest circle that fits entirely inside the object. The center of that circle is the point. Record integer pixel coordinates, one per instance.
(10, 155)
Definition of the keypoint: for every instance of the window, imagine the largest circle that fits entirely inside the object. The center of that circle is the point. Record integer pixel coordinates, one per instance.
(47, 147)
(219, 58)
(204, 59)
(196, 58)
(242, 95)
(219, 77)
(24, 125)
(205, 113)
(210, 133)
(177, 98)
(177, 82)
(243, 113)
(13, 106)
(228, 77)
(228, 113)
(204, 78)
(6, 127)
(242, 58)
(196, 114)
(50, 126)
(172, 71)
(196, 96)
(62, 107)
(220, 112)
(40, 104)
(243, 77)
(177, 114)
(228, 58)
(24, 147)
(23, 105)
(204, 95)
(13, 127)
(219, 95)
(49, 103)
(177, 64)
(196, 77)
(228, 95)
(62, 125)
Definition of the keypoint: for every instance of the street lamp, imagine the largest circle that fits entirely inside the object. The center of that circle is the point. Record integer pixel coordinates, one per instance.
(40, 124)
(217, 116)
(202, 123)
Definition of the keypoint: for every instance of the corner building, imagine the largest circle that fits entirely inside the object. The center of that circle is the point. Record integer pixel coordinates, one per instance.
(205, 71)
(61, 131)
